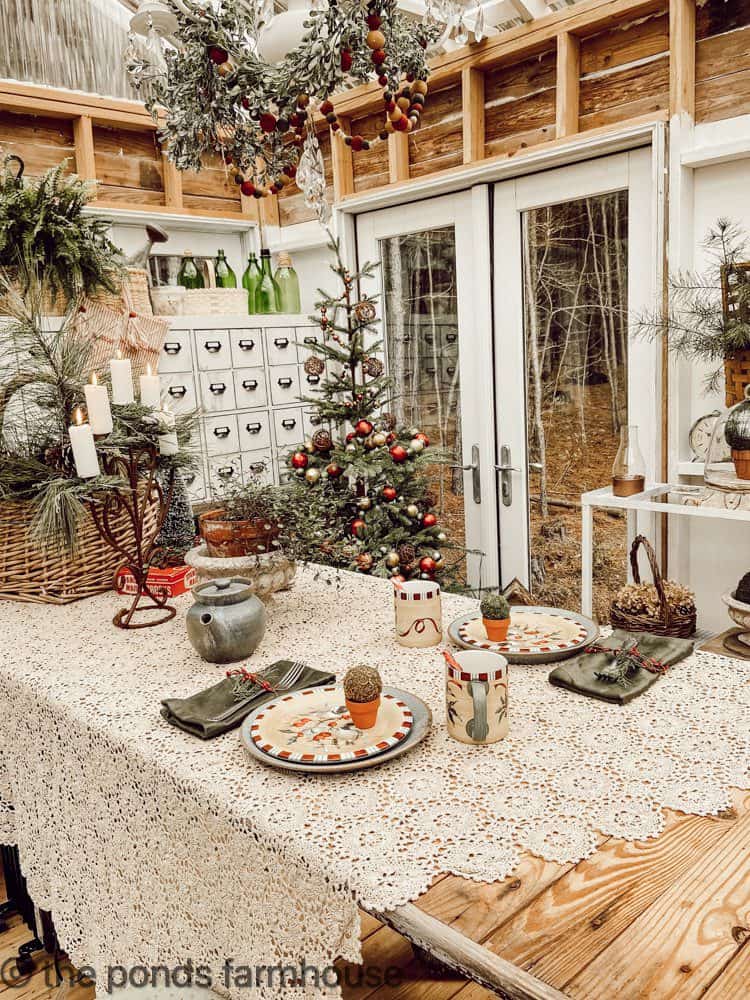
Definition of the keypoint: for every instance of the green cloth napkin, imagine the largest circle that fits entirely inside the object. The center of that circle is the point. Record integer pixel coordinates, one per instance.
(195, 714)
(579, 672)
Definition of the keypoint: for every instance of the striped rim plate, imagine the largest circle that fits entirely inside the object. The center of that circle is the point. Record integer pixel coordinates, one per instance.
(536, 634)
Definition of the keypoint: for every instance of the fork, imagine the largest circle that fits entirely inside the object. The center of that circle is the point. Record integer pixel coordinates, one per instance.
(288, 681)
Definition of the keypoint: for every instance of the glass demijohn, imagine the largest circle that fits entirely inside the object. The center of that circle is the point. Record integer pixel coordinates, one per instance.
(288, 285)
(189, 276)
(267, 292)
(629, 469)
(225, 276)
(250, 281)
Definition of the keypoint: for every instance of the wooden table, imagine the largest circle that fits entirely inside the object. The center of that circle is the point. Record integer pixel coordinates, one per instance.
(652, 920)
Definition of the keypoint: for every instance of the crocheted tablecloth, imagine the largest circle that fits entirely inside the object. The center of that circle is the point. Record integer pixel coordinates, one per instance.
(151, 846)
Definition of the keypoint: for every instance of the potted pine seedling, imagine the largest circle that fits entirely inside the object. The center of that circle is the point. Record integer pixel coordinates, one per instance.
(495, 617)
(362, 689)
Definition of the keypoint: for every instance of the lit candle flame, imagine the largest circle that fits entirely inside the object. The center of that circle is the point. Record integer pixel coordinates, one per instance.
(78, 416)
(148, 370)
(94, 379)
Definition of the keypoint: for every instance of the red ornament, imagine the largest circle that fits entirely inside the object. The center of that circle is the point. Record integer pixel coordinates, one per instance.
(373, 22)
(391, 438)
(346, 60)
(378, 57)
(429, 521)
(362, 428)
(402, 124)
(333, 470)
(390, 492)
(357, 143)
(326, 108)
(423, 438)
(383, 80)
(399, 453)
(247, 188)
(357, 527)
(291, 171)
(300, 460)
(217, 55)
(267, 122)
(350, 437)
(427, 565)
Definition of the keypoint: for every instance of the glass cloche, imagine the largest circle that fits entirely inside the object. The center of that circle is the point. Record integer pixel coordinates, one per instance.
(728, 456)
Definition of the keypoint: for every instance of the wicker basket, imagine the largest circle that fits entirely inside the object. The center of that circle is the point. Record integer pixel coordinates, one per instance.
(135, 293)
(670, 621)
(215, 302)
(736, 376)
(42, 574)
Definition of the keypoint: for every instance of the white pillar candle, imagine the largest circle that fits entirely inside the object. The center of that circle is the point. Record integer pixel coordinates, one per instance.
(150, 390)
(84, 449)
(122, 380)
(168, 443)
(97, 403)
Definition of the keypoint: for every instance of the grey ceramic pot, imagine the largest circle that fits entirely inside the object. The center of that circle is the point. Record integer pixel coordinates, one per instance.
(227, 621)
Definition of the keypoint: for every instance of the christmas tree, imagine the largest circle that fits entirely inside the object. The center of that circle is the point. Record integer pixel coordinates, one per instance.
(177, 534)
(365, 478)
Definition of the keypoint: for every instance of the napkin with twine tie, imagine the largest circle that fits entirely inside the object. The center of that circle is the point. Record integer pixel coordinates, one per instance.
(603, 674)
(198, 713)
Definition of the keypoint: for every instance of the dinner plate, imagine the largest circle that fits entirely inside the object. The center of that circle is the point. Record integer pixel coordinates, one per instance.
(536, 634)
(421, 720)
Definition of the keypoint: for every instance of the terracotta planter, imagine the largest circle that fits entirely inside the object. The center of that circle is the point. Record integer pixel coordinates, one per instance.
(496, 628)
(364, 713)
(228, 539)
(741, 461)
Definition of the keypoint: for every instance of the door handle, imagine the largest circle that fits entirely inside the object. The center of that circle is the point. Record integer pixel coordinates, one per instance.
(476, 474)
(506, 483)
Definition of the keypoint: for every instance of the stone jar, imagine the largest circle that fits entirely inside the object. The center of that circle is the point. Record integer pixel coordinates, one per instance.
(227, 621)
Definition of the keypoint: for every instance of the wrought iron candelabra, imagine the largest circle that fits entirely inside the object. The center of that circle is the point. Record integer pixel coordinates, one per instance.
(136, 499)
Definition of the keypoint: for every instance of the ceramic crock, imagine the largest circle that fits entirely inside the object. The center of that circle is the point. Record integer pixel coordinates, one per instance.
(227, 621)
(419, 613)
(476, 697)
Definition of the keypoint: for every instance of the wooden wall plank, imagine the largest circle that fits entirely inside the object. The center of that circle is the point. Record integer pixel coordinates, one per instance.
(682, 57)
(291, 202)
(128, 159)
(520, 104)
(624, 89)
(398, 157)
(717, 17)
(172, 183)
(343, 165)
(567, 84)
(722, 62)
(472, 110)
(83, 139)
(438, 143)
(622, 45)
(41, 142)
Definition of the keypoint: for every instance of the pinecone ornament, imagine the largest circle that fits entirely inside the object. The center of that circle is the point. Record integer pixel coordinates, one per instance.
(428, 500)
(364, 562)
(314, 365)
(60, 456)
(322, 441)
(373, 367)
(387, 421)
(365, 311)
(406, 553)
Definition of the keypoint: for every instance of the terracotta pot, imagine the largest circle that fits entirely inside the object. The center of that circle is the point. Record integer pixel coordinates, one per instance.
(741, 461)
(364, 713)
(229, 539)
(496, 628)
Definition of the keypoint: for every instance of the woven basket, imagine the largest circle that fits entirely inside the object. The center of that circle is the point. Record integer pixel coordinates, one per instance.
(215, 301)
(670, 621)
(42, 574)
(736, 376)
(135, 293)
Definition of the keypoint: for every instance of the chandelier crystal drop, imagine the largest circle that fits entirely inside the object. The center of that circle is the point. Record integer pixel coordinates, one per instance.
(234, 78)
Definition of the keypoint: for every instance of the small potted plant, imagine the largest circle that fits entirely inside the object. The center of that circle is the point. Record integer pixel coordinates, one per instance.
(362, 689)
(495, 616)
(245, 524)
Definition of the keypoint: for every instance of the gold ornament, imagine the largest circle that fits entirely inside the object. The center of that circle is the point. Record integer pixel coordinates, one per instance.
(378, 439)
(312, 475)
(365, 310)
(375, 39)
(392, 559)
(314, 365)
(412, 510)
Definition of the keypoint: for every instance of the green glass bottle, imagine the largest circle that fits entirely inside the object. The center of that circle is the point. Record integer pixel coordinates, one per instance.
(288, 284)
(267, 292)
(250, 280)
(225, 276)
(189, 276)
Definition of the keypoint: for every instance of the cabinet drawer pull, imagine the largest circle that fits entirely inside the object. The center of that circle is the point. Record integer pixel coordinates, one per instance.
(250, 384)
(289, 423)
(258, 467)
(313, 379)
(217, 388)
(225, 471)
(212, 346)
(310, 340)
(172, 347)
(451, 338)
(253, 428)
(430, 371)
(451, 371)
(285, 383)
(189, 478)
(222, 432)
(246, 345)
(178, 391)
(281, 342)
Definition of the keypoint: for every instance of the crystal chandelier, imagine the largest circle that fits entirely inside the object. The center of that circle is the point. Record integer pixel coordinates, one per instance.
(234, 78)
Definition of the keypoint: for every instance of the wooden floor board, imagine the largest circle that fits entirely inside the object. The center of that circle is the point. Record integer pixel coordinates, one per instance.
(687, 937)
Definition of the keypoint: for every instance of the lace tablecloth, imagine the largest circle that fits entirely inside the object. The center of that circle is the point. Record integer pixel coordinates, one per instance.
(149, 845)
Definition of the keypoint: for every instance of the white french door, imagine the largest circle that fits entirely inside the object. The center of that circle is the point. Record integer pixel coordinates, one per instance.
(434, 280)
(576, 256)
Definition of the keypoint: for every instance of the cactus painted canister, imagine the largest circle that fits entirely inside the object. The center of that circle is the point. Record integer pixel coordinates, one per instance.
(476, 696)
(419, 613)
